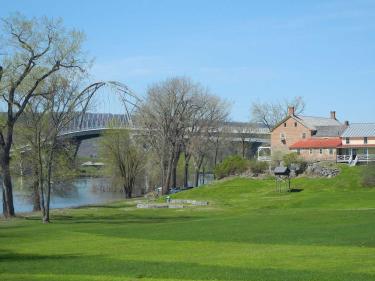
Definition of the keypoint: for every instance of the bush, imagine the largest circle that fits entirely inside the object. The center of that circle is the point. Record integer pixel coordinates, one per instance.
(231, 166)
(368, 176)
(291, 158)
(294, 162)
(277, 158)
(258, 167)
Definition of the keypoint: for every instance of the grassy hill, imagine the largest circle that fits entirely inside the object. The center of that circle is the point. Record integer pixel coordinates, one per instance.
(248, 232)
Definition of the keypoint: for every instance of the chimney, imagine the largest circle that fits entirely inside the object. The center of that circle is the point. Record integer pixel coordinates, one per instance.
(291, 110)
(333, 115)
(346, 123)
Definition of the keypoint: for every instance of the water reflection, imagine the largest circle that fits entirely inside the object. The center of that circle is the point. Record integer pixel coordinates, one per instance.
(77, 192)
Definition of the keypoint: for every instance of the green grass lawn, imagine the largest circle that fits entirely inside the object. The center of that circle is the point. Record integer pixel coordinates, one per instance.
(248, 232)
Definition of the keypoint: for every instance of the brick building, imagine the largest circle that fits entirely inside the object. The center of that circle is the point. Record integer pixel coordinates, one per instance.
(314, 138)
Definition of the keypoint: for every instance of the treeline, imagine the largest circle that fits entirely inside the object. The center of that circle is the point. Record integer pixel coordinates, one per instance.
(43, 87)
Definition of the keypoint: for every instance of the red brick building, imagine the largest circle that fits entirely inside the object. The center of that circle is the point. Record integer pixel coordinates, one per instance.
(314, 138)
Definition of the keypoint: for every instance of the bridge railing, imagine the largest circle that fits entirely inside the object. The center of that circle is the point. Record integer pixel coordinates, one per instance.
(91, 121)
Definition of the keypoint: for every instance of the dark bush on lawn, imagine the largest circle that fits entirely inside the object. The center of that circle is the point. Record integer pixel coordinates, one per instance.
(231, 166)
(294, 160)
(258, 167)
(368, 176)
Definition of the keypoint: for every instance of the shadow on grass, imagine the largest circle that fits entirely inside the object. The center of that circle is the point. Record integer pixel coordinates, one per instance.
(103, 206)
(296, 190)
(163, 270)
(117, 218)
(8, 256)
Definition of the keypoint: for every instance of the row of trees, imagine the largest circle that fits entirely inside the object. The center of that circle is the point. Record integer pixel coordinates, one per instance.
(43, 68)
(180, 119)
(181, 122)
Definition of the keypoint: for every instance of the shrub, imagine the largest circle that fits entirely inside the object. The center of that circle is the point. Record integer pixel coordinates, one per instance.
(231, 166)
(293, 160)
(368, 176)
(258, 167)
(277, 158)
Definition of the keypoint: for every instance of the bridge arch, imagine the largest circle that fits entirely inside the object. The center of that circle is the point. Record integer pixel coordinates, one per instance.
(86, 120)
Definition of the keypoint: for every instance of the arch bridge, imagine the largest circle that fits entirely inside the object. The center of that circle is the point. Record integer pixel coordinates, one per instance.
(93, 125)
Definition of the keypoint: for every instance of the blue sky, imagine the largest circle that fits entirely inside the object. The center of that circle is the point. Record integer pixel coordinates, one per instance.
(244, 51)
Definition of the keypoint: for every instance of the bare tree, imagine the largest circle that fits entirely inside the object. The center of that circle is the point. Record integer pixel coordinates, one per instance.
(32, 51)
(124, 157)
(177, 115)
(271, 113)
(202, 143)
(194, 128)
(165, 115)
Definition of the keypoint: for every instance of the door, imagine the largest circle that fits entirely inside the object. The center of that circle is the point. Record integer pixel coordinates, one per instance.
(354, 153)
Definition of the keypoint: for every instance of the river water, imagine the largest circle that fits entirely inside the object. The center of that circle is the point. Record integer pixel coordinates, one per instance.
(73, 193)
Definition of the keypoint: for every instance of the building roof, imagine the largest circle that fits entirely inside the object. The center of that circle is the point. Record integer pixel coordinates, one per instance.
(359, 130)
(317, 143)
(356, 145)
(329, 131)
(314, 122)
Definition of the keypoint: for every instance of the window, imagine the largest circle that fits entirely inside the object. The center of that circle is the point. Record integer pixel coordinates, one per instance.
(284, 124)
(347, 140)
(365, 140)
(295, 124)
(330, 151)
(303, 135)
(283, 138)
(311, 151)
(320, 151)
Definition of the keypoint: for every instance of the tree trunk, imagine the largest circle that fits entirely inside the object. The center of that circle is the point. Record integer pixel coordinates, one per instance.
(216, 151)
(167, 182)
(174, 169)
(174, 176)
(76, 149)
(4, 205)
(41, 180)
(46, 218)
(203, 175)
(198, 166)
(186, 174)
(36, 196)
(127, 191)
(196, 180)
(8, 207)
(243, 148)
(186, 170)
(167, 179)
